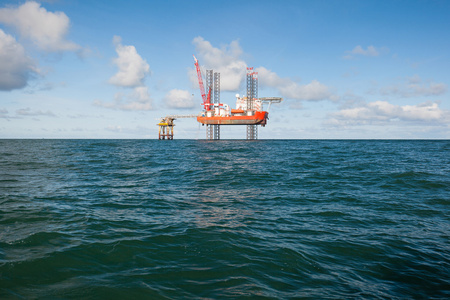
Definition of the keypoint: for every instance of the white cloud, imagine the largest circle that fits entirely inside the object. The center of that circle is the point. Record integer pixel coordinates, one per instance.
(415, 87)
(370, 51)
(47, 30)
(3, 113)
(428, 111)
(33, 113)
(383, 111)
(114, 128)
(16, 67)
(269, 78)
(132, 72)
(138, 100)
(360, 51)
(137, 131)
(132, 67)
(180, 99)
(313, 91)
(225, 60)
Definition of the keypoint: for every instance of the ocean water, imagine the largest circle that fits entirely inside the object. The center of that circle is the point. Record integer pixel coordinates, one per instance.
(267, 219)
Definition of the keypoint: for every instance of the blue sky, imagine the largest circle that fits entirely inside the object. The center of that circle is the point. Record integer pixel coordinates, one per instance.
(111, 69)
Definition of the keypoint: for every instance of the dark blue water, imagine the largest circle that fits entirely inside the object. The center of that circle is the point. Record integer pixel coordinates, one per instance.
(116, 219)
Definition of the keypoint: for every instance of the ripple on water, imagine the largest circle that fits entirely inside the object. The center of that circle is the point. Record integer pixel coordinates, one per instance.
(270, 219)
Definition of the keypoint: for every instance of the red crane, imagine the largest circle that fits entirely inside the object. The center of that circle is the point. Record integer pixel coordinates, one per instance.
(206, 100)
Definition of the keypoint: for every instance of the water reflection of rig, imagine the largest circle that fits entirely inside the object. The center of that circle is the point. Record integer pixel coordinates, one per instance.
(249, 109)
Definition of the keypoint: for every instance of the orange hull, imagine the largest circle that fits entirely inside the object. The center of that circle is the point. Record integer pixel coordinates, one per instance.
(259, 118)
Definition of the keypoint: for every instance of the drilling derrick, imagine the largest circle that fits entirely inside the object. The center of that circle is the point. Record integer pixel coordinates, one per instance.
(252, 95)
(209, 86)
(216, 128)
(213, 85)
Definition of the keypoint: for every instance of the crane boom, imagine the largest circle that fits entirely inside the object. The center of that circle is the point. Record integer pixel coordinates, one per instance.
(206, 100)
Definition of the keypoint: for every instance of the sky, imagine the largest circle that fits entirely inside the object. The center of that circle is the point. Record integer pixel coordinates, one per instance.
(110, 69)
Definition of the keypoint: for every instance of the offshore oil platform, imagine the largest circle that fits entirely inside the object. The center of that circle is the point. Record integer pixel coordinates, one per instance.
(249, 108)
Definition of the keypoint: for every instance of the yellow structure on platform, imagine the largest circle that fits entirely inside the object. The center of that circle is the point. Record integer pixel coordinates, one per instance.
(166, 128)
(166, 125)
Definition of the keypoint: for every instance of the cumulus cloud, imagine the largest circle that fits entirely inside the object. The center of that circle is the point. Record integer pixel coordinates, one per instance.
(16, 68)
(138, 100)
(360, 51)
(233, 69)
(225, 60)
(414, 87)
(383, 111)
(179, 99)
(132, 67)
(132, 72)
(313, 91)
(47, 30)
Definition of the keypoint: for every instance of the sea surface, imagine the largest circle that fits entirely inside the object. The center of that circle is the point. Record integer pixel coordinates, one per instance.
(192, 219)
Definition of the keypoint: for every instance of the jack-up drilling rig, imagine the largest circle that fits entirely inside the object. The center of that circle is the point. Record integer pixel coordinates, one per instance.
(249, 109)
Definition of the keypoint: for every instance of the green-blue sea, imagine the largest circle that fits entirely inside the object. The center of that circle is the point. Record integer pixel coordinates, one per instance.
(192, 219)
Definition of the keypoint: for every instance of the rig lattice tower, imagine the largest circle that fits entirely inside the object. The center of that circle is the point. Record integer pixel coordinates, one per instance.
(252, 94)
(209, 86)
(216, 128)
(213, 86)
